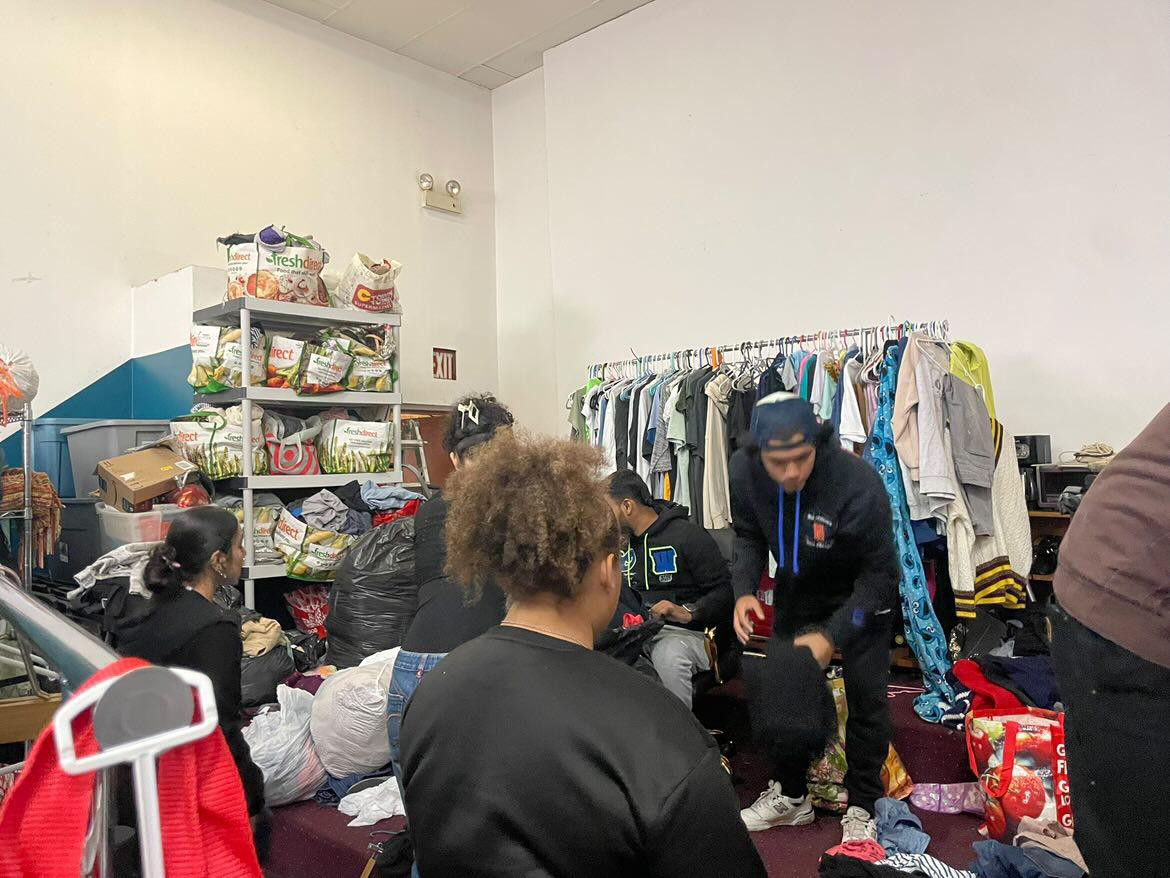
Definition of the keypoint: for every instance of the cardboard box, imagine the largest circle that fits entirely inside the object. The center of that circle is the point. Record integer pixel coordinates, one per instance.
(128, 482)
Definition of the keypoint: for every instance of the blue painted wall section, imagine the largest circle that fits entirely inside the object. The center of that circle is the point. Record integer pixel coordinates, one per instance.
(151, 387)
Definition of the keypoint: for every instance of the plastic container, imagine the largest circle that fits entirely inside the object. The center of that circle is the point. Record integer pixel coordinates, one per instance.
(100, 440)
(79, 544)
(118, 528)
(51, 452)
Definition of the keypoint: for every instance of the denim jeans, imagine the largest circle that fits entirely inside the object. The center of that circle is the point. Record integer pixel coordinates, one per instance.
(409, 669)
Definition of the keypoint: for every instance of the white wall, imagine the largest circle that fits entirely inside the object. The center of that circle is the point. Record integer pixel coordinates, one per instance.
(527, 343)
(726, 171)
(136, 132)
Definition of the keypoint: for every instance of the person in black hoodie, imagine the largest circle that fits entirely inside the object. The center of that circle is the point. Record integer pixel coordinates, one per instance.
(673, 570)
(182, 626)
(526, 752)
(825, 516)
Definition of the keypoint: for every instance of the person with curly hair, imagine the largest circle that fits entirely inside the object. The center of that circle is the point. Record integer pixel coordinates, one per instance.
(526, 754)
(446, 617)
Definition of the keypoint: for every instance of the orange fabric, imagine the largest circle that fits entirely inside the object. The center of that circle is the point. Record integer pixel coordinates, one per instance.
(206, 832)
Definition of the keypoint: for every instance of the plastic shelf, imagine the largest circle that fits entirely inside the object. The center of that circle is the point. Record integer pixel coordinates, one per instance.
(325, 480)
(287, 396)
(289, 314)
(265, 571)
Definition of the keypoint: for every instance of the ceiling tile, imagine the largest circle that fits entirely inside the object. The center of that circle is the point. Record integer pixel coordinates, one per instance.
(393, 23)
(314, 9)
(529, 54)
(485, 76)
(485, 29)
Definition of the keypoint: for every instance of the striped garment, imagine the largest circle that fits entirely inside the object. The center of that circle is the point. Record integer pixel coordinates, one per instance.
(923, 864)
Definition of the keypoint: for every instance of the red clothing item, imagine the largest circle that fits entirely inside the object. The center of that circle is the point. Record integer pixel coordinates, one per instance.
(984, 693)
(205, 827)
(869, 851)
(407, 511)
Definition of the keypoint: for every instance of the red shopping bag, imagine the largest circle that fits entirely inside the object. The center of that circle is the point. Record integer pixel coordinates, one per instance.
(1019, 758)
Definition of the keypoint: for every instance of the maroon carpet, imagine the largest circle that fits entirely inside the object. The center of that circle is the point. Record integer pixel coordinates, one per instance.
(311, 840)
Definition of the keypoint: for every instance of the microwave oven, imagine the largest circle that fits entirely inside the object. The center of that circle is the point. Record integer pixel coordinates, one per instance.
(1053, 478)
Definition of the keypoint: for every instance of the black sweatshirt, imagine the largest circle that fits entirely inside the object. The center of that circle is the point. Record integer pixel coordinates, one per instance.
(189, 631)
(527, 755)
(846, 569)
(677, 560)
(444, 619)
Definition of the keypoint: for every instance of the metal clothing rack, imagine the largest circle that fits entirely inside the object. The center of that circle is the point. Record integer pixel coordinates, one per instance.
(867, 336)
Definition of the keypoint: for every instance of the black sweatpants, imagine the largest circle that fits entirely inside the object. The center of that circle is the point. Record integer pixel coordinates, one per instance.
(1117, 717)
(866, 664)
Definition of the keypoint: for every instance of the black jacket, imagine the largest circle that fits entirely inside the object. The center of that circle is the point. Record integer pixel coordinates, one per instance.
(524, 755)
(444, 618)
(677, 560)
(190, 631)
(846, 567)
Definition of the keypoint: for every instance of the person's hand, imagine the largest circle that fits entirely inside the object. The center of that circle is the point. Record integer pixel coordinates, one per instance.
(819, 645)
(671, 612)
(746, 607)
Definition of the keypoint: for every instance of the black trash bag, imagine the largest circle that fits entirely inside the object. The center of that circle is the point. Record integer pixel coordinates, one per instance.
(307, 649)
(628, 645)
(374, 597)
(792, 711)
(260, 675)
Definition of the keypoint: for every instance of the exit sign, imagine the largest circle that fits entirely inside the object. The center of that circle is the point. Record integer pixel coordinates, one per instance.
(444, 364)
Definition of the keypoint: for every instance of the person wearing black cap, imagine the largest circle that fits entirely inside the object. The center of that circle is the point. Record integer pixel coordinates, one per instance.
(671, 570)
(825, 516)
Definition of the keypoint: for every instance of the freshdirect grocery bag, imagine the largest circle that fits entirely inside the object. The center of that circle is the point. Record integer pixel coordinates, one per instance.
(356, 446)
(1019, 758)
(275, 264)
(309, 553)
(213, 440)
(266, 509)
(217, 358)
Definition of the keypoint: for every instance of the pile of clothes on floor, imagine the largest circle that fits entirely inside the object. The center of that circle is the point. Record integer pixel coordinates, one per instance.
(1037, 850)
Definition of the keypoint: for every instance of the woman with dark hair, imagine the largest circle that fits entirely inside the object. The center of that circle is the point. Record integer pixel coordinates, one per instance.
(446, 616)
(530, 754)
(181, 626)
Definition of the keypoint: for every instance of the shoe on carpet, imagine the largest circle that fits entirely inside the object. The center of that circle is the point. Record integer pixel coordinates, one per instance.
(857, 825)
(773, 808)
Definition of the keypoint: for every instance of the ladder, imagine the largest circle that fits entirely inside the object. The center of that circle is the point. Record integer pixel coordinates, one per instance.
(412, 441)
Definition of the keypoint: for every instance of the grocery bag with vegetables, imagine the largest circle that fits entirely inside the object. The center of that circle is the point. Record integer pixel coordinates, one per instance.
(356, 446)
(266, 509)
(284, 356)
(217, 358)
(309, 553)
(372, 349)
(321, 370)
(213, 440)
(275, 264)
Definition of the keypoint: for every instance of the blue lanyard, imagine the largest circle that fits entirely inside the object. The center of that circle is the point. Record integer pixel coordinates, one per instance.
(795, 532)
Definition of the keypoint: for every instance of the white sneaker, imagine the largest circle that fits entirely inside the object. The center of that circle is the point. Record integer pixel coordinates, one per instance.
(773, 808)
(857, 825)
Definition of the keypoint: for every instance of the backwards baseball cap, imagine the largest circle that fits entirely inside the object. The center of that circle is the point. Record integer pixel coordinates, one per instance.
(782, 421)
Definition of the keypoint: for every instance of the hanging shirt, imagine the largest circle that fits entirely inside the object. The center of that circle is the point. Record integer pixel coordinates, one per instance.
(852, 429)
(969, 363)
(716, 497)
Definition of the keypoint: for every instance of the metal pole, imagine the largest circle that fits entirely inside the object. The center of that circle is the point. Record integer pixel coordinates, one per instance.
(246, 414)
(27, 525)
(149, 820)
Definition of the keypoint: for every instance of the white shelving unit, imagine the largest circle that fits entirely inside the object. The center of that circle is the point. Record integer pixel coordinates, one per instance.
(290, 316)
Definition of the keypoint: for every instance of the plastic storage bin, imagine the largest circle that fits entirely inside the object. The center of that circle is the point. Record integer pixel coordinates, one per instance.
(101, 440)
(51, 452)
(79, 544)
(118, 528)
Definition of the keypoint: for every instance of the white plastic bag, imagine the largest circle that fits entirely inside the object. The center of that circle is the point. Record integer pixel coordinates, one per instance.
(19, 380)
(380, 658)
(373, 804)
(282, 748)
(349, 720)
(366, 285)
